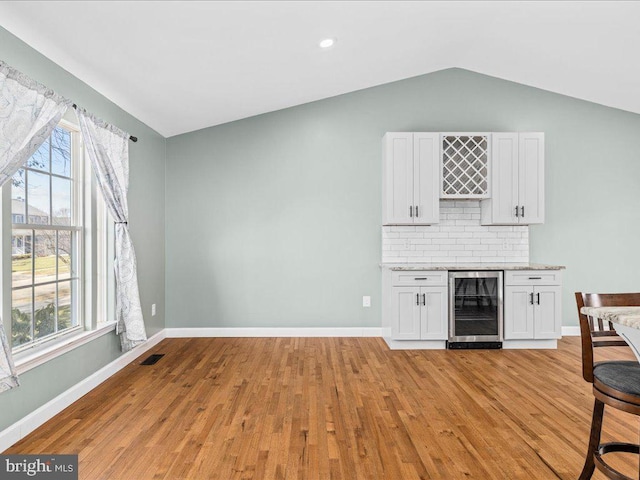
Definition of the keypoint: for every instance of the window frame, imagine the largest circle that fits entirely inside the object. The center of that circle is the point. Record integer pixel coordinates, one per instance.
(96, 281)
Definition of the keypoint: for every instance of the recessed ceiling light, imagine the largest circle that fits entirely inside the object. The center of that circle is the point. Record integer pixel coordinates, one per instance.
(327, 42)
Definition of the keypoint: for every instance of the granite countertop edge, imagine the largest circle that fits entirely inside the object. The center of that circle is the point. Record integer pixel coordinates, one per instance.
(469, 266)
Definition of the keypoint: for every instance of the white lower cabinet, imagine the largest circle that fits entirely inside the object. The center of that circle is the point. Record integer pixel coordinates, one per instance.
(419, 313)
(532, 305)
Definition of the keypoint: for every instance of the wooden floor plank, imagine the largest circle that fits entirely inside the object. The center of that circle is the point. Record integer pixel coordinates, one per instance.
(334, 408)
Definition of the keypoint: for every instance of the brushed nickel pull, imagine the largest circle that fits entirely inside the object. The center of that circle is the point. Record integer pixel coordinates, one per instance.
(410, 211)
(517, 214)
(538, 299)
(522, 211)
(535, 278)
(418, 299)
(424, 299)
(417, 211)
(419, 278)
(531, 300)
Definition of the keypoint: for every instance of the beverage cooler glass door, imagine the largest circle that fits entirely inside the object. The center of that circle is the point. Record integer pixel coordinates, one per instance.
(475, 306)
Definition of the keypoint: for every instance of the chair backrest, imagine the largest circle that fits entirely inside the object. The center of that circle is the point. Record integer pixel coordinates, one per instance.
(593, 331)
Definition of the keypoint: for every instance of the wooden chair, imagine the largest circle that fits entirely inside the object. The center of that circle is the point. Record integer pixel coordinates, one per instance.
(615, 383)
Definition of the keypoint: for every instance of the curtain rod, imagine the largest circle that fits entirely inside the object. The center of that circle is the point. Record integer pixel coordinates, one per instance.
(131, 137)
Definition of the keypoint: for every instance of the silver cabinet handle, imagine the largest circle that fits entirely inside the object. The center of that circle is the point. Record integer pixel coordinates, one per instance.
(535, 278)
(419, 278)
(522, 211)
(418, 298)
(424, 299)
(411, 211)
(538, 298)
(531, 299)
(517, 214)
(417, 211)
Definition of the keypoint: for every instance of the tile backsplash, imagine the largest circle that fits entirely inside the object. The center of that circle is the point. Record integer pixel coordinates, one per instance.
(458, 237)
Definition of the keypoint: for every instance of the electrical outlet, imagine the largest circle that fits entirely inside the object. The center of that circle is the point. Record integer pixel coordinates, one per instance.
(153, 310)
(366, 301)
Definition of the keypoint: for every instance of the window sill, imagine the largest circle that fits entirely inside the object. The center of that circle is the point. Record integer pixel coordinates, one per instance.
(25, 361)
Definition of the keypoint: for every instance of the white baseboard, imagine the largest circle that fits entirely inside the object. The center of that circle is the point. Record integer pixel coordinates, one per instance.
(571, 331)
(415, 344)
(275, 332)
(28, 424)
(529, 344)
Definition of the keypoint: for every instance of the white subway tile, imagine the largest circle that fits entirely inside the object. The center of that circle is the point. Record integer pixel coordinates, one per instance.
(438, 235)
(466, 222)
(477, 248)
(424, 248)
(459, 235)
(468, 241)
(402, 229)
(442, 259)
(443, 241)
(492, 241)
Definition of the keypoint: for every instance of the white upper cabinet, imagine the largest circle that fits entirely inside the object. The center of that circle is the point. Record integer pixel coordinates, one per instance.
(504, 170)
(410, 178)
(531, 173)
(517, 180)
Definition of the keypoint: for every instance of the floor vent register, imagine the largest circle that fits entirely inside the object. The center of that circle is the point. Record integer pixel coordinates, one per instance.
(152, 359)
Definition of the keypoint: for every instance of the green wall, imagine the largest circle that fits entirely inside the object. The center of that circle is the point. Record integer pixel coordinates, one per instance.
(275, 220)
(146, 212)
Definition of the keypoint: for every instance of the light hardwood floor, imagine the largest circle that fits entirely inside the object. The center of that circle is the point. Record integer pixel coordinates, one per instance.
(334, 408)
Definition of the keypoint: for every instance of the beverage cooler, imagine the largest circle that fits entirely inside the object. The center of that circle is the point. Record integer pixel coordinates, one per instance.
(475, 309)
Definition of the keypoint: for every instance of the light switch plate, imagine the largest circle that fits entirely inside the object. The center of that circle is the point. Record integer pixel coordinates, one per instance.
(366, 301)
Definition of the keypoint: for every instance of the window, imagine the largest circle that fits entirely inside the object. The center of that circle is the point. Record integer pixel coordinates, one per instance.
(60, 238)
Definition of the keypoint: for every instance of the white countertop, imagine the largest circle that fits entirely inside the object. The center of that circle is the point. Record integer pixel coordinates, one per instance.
(469, 266)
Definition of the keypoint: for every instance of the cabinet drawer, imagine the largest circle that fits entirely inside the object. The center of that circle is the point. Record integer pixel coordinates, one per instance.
(532, 277)
(417, 278)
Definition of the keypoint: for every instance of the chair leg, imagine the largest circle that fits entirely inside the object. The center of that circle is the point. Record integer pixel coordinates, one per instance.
(594, 440)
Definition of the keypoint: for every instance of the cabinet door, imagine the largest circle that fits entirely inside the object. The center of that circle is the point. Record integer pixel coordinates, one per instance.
(405, 315)
(548, 312)
(398, 179)
(434, 314)
(518, 312)
(531, 185)
(504, 178)
(426, 166)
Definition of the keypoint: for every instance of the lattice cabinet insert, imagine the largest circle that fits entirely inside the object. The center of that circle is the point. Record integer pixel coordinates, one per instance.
(465, 166)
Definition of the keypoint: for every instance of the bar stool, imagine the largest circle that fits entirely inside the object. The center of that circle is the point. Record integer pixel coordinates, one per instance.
(615, 383)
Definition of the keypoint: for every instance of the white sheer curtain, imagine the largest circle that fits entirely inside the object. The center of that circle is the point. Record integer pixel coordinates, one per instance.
(28, 114)
(108, 149)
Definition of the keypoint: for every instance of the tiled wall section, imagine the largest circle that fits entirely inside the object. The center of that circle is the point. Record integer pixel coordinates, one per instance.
(458, 237)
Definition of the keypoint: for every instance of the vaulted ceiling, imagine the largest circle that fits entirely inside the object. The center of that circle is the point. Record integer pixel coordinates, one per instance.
(180, 66)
